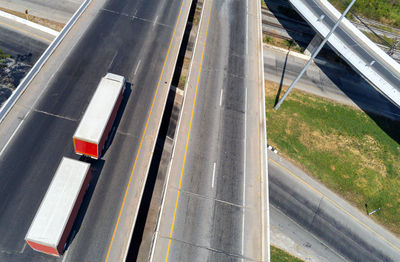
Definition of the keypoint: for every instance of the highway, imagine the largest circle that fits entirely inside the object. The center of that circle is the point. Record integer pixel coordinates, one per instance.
(389, 74)
(138, 39)
(212, 207)
(340, 231)
(327, 79)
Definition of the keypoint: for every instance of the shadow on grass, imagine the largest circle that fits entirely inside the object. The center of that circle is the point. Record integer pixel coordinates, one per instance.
(282, 78)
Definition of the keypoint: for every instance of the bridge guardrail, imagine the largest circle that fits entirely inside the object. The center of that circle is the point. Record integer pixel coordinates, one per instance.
(10, 102)
(358, 63)
(346, 23)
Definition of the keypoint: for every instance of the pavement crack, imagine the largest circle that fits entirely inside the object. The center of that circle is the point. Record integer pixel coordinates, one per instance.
(225, 74)
(58, 116)
(127, 134)
(139, 18)
(209, 249)
(316, 212)
(208, 198)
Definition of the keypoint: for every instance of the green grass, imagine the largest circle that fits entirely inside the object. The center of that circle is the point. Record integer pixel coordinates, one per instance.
(283, 43)
(263, 4)
(3, 56)
(278, 255)
(344, 148)
(384, 11)
(389, 41)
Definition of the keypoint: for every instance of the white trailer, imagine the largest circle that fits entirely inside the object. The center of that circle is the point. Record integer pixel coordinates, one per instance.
(53, 221)
(93, 130)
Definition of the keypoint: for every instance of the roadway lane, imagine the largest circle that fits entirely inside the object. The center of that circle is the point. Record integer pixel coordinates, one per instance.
(212, 207)
(390, 75)
(19, 40)
(59, 11)
(340, 231)
(130, 38)
(326, 79)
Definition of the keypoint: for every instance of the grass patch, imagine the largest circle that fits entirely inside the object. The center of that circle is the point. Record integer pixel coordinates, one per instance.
(342, 147)
(278, 255)
(389, 42)
(3, 57)
(386, 12)
(283, 43)
(263, 4)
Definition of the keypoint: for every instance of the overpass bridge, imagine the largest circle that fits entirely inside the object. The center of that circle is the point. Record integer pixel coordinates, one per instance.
(377, 67)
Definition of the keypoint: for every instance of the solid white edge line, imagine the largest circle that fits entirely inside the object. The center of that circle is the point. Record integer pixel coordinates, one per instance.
(265, 239)
(244, 170)
(155, 236)
(159, 124)
(12, 136)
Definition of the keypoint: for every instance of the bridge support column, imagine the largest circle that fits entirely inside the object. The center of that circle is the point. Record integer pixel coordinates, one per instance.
(315, 42)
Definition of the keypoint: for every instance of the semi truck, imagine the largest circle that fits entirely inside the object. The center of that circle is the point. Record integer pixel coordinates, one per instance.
(53, 221)
(97, 121)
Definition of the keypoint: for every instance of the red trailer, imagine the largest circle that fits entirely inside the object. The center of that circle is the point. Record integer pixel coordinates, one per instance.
(53, 221)
(93, 130)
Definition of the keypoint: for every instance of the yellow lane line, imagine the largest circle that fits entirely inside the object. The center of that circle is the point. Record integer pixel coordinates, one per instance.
(144, 132)
(335, 204)
(27, 32)
(188, 137)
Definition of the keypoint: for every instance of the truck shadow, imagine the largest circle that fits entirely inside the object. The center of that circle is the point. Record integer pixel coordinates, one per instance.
(95, 167)
(336, 71)
(118, 117)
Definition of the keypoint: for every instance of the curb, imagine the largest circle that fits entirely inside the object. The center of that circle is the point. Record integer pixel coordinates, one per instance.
(175, 138)
(29, 23)
(292, 53)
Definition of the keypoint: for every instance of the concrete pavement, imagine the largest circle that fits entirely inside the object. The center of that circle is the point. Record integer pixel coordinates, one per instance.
(326, 79)
(211, 210)
(339, 231)
(137, 39)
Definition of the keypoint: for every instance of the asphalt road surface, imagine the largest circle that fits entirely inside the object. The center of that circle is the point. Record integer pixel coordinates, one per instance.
(327, 79)
(212, 208)
(390, 75)
(129, 38)
(340, 231)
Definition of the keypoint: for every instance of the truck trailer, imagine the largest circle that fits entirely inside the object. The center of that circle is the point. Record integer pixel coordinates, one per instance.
(53, 221)
(95, 126)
